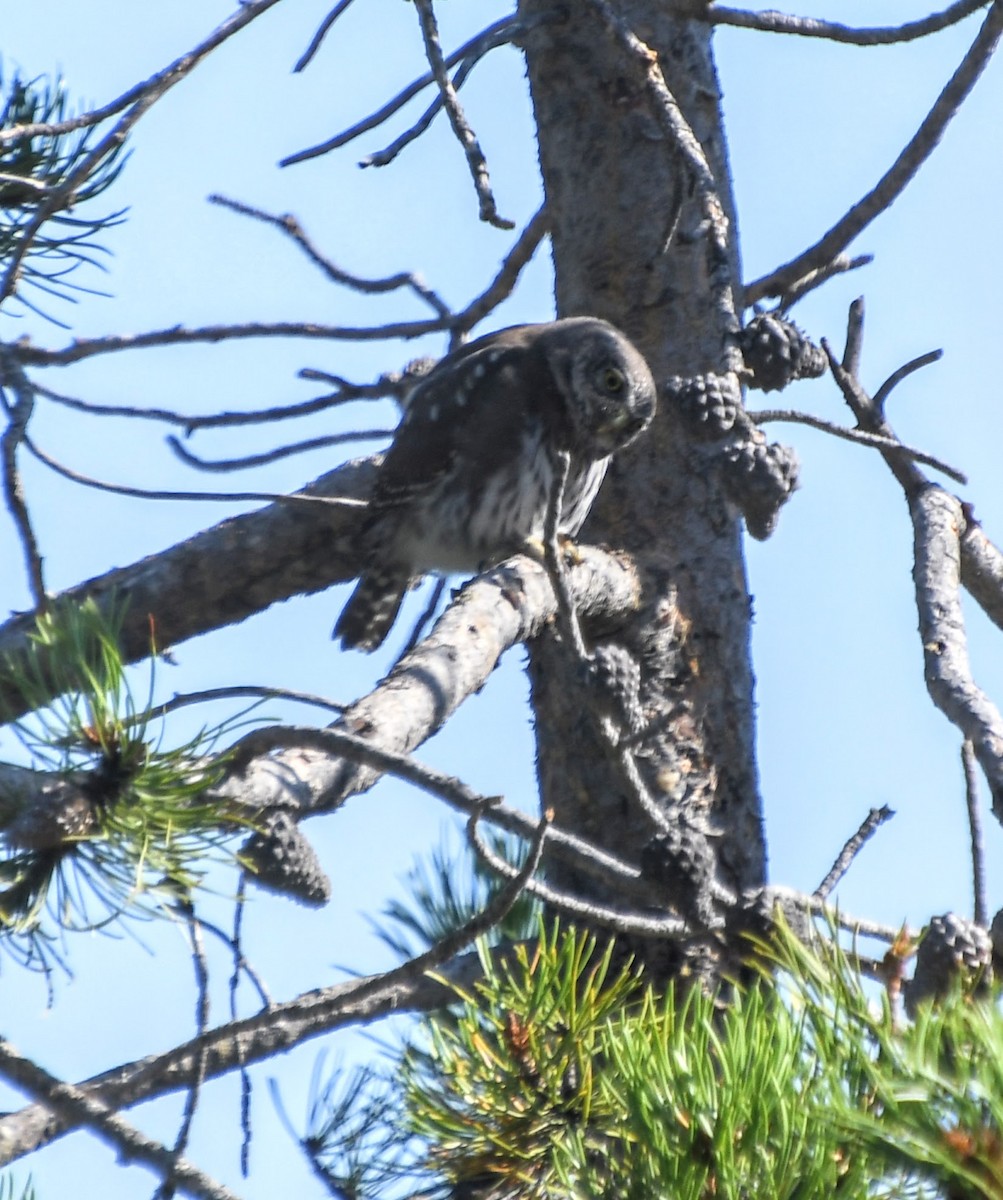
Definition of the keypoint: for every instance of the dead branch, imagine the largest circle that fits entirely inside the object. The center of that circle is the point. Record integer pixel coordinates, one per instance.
(19, 412)
(980, 909)
(289, 225)
(476, 161)
(844, 860)
(879, 35)
(982, 569)
(808, 283)
(74, 1106)
(497, 34)
(938, 521)
(222, 465)
(669, 115)
(901, 172)
(860, 436)
(318, 37)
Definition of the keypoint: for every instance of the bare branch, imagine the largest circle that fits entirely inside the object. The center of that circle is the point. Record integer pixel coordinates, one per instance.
(980, 907)
(157, 86)
(797, 291)
(879, 35)
(938, 521)
(860, 436)
(270, 456)
(289, 225)
(673, 122)
(457, 118)
(82, 348)
(868, 828)
(901, 172)
(19, 412)
(896, 377)
(72, 1106)
(504, 282)
(318, 37)
(497, 34)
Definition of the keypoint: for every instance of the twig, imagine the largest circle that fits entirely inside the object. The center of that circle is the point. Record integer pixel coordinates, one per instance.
(868, 827)
(383, 158)
(879, 35)
(457, 118)
(386, 385)
(616, 920)
(318, 37)
(507, 25)
(77, 1107)
(121, 489)
(861, 436)
(938, 521)
(896, 377)
(183, 699)
(289, 225)
(166, 1189)
(797, 291)
(854, 337)
(239, 961)
(222, 465)
(62, 196)
(19, 412)
(981, 908)
(177, 335)
(673, 122)
(901, 172)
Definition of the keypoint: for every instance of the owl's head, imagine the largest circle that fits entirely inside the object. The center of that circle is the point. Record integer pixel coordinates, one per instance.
(607, 385)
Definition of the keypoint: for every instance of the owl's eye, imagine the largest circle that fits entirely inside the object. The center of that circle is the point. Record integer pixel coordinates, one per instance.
(612, 380)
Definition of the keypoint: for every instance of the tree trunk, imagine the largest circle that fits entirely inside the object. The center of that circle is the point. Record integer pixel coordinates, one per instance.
(614, 182)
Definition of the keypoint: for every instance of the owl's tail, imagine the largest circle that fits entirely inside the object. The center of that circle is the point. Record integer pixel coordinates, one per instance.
(371, 610)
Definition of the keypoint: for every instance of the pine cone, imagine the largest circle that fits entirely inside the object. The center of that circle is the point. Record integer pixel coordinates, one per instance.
(615, 676)
(760, 479)
(952, 948)
(709, 404)
(776, 353)
(282, 860)
(680, 861)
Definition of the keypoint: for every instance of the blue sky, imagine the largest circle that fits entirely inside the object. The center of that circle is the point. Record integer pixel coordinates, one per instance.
(844, 720)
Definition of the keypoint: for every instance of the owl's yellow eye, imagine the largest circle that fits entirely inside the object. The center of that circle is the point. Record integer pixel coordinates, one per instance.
(612, 380)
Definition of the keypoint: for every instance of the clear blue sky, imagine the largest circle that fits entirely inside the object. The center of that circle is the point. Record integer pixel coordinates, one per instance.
(844, 721)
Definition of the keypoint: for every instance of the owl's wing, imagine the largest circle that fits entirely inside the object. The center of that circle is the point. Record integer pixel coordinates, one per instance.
(454, 408)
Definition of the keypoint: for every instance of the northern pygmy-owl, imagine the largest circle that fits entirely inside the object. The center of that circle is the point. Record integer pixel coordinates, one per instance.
(471, 469)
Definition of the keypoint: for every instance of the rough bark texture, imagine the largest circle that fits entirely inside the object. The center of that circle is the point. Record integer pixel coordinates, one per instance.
(612, 180)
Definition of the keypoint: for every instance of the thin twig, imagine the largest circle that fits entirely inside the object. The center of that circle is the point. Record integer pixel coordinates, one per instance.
(289, 225)
(15, 435)
(868, 827)
(896, 377)
(222, 465)
(121, 489)
(156, 87)
(383, 158)
(893, 182)
(879, 35)
(239, 962)
(507, 25)
(304, 60)
(476, 161)
(418, 631)
(670, 116)
(238, 691)
(387, 385)
(981, 908)
(860, 436)
(838, 266)
(77, 1107)
(177, 335)
(166, 1190)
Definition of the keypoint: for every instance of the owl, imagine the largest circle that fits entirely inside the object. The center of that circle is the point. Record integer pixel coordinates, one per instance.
(469, 476)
